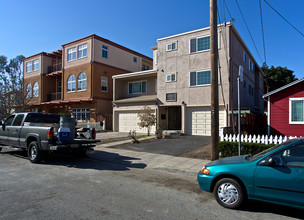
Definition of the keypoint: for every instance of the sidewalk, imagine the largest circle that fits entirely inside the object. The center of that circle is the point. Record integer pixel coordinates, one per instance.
(150, 160)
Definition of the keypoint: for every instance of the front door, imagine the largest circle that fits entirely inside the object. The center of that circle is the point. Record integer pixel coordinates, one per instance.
(174, 118)
(282, 182)
(5, 129)
(14, 133)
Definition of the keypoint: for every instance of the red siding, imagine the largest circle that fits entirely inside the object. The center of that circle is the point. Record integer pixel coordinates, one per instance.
(279, 111)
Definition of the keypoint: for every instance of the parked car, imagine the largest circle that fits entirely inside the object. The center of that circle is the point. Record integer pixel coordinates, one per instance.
(275, 175)
(39, 133)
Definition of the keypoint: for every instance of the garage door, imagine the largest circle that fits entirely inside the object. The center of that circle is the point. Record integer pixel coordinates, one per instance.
(199, 120)
(127, 121)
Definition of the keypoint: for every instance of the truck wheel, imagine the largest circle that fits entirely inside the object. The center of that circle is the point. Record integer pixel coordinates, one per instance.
(229, 193)
(34, 153)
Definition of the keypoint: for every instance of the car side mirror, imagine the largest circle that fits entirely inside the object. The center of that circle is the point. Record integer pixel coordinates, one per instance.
(268, 161)
(3, 127)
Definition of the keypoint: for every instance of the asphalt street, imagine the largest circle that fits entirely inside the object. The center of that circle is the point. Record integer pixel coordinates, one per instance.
(66, 187)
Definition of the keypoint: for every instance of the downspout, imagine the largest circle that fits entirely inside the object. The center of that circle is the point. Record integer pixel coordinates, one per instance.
(230, 81)
(268, 116)
(62, 78)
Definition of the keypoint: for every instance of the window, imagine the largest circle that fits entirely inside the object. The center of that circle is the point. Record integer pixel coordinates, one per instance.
(104, 84)
(135, 59)
(137, 87)
(18, 120)
(200, 78)
(81, 114)
(9, 121)
(199, 44)
(29, 90)
(296, 111)
(251, 66)
(290, 157)
(171, 97)
(35, 90)
(36, 65)
(143, 67)
(245, 84)
(82, 82)
(71, 83)
(244, 57)
(72, 54)
(82, 51)
(172, 46)
(29, 67)
(171, 77)
(104, 51)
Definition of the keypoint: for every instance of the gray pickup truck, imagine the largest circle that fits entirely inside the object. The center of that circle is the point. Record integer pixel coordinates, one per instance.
(39, 133)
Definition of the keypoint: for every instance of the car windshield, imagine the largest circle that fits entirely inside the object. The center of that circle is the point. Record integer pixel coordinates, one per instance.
(265, 152)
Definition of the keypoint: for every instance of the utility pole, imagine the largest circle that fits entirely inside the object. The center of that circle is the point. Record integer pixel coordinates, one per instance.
(214, 81)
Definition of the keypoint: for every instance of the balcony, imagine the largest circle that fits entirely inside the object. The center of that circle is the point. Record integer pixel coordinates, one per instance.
(54, 68)
(54, 96)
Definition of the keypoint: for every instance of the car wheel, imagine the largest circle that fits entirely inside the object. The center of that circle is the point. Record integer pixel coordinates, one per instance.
(229, 193)
(34, 153)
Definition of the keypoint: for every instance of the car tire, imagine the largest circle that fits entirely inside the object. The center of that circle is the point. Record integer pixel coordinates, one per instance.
(229, 193)
(35, 155)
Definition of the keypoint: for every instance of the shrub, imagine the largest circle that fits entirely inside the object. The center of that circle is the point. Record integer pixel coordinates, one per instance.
(228, 149)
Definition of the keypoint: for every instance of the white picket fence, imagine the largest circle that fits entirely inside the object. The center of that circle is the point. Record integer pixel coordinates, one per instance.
(263, 139)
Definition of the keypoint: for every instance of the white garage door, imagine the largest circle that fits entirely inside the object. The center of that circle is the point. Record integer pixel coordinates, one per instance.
(127, 121)
(199, 120)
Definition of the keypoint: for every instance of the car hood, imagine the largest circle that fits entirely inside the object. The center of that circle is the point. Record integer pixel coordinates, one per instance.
(229, 160)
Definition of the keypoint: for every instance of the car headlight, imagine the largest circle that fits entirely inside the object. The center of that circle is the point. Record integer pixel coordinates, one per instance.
(205, 171)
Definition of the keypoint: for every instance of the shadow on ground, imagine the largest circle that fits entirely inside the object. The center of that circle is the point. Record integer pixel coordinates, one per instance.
(263, 207)
(97, 160)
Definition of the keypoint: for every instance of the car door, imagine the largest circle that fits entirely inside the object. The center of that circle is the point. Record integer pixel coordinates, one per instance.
(283, 181)
(15, 128)
(4, 131)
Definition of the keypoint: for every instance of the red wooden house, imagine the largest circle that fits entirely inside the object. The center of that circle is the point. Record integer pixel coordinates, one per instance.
(285, 108)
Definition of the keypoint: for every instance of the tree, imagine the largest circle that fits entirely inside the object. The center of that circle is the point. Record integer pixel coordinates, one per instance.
(11, 85)
(276, 77)
(147, 118)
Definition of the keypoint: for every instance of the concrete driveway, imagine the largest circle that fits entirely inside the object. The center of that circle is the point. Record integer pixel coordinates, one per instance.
(174, 146)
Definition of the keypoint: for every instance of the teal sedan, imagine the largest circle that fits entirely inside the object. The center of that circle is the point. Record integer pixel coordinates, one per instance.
(275, 175)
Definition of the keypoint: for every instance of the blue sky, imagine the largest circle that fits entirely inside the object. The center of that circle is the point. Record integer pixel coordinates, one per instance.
(32, 26)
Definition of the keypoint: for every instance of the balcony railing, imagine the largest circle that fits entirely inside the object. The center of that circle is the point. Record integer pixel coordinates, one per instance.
(54, 96)
(54, 68)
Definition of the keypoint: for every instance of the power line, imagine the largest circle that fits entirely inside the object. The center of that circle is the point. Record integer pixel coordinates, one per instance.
(248, 30)
(262, 30)
(231, 18)
(284, 18)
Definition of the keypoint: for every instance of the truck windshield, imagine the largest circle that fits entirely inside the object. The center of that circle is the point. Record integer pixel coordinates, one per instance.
(42, 118)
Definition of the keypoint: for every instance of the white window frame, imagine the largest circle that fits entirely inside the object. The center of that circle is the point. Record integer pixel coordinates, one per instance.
(141, 87)
(81, 49)
(72, 51)
(105, 48)
(81, 81)
(196, 49)
(196, 78)
(290, 111)
(36, 89)
(29, 67)
(80, 111)
(36, 65)
(104, 79)
(71, 82)
(169, 47)
(169, 77)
